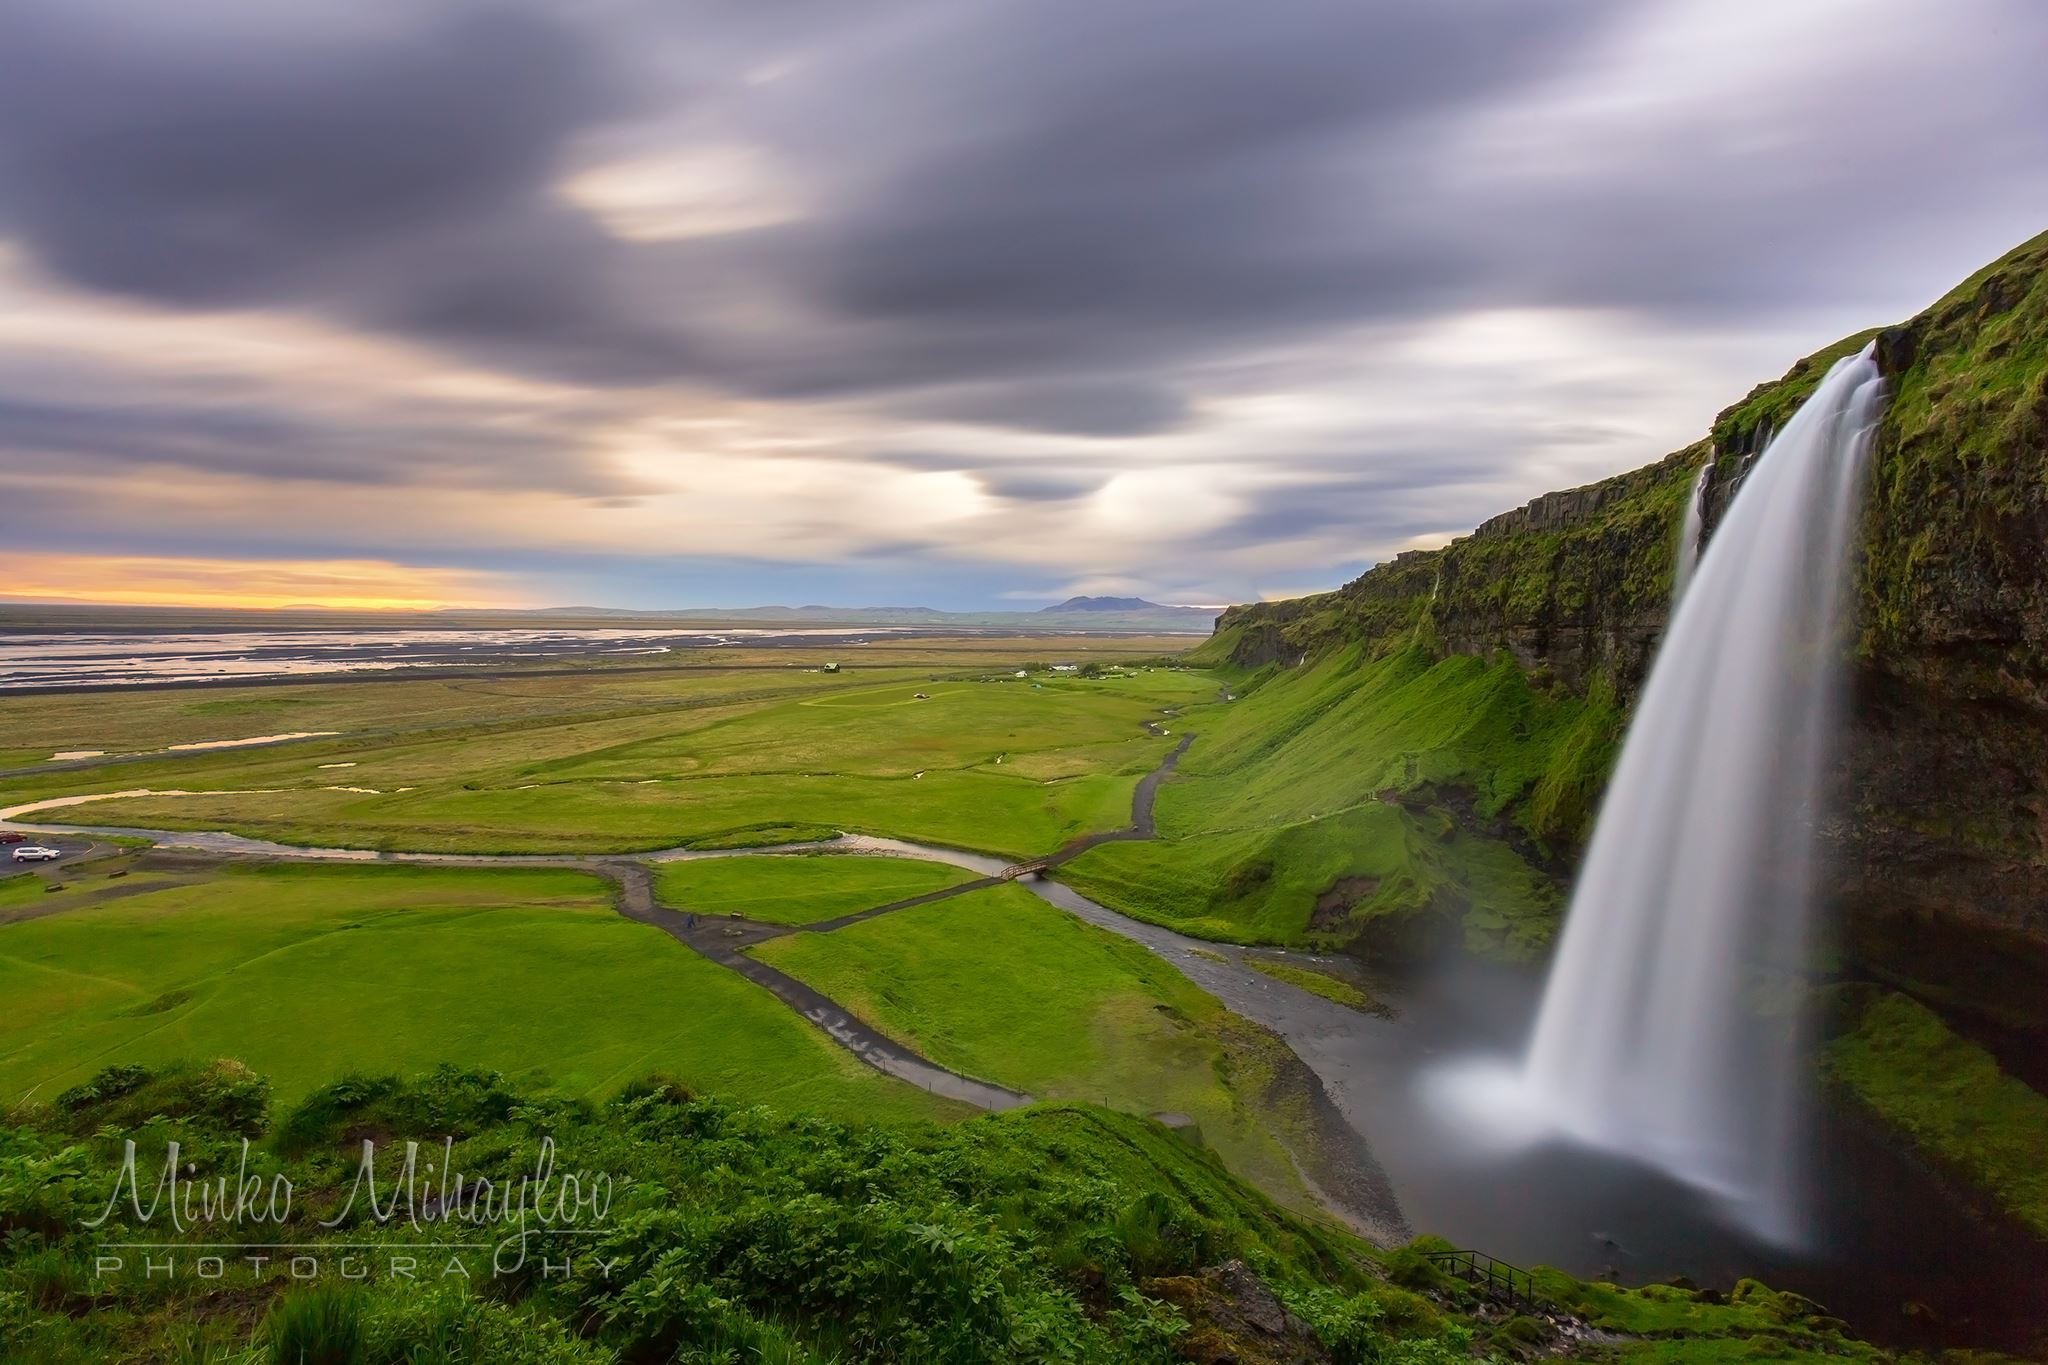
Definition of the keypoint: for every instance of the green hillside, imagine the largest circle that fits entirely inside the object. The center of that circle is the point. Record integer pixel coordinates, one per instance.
(1055, 1233)
(1341, 798)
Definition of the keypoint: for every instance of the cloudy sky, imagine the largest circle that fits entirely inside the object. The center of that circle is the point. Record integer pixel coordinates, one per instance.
(965, 303)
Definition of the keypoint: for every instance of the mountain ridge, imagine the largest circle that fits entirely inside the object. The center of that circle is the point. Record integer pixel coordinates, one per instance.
(1106, 604)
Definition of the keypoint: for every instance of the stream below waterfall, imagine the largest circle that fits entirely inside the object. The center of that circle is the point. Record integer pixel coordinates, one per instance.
(1897, 1254)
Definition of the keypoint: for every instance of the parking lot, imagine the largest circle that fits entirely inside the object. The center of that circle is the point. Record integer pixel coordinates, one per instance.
(71, 848)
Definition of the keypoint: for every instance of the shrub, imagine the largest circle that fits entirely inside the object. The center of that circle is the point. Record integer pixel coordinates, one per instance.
(222, 1098)
(322, 1326)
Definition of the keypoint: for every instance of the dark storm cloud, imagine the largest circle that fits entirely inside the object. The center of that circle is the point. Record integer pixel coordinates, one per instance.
(1096, 222)
(1068, 194)
(1075, 194)
(1071, 197)
(388, 169)
(1060, 199)
(1837, 173)
(1077, 407)
(1064, 189)
(1131, 162)
(376, 447)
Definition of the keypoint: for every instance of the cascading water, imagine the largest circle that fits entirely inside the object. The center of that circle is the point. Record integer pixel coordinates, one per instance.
(1689, 529)
(1658, 1037)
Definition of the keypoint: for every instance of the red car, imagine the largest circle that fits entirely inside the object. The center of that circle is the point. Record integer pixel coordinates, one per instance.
(13, 838)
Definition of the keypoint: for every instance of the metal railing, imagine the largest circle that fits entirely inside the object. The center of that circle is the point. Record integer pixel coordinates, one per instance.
(1497, 1279)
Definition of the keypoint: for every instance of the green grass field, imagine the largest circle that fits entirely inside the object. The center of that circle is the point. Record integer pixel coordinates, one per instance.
(306, 972)
(19, 888)
(798, 888)
(303, 972)
(984, 761)
(34, 727)
(969, 810)
(998, 984)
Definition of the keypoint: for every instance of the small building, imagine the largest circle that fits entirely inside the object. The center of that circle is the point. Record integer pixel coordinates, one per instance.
(831, 668)
(1066, 668)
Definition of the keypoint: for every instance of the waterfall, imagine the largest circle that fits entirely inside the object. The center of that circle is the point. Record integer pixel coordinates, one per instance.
(1660, 1035)
(1689, 532)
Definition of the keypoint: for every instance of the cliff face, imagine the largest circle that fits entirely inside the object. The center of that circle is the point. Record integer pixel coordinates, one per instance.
(1941, 846)
(1947, 804)
(1575, 585)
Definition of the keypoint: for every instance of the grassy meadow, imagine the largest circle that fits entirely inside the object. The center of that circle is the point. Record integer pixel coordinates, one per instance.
(429, 700)
(618, 762)
(1385, 797)
(999, 985)
(306, 972)
(798, 888)
(1294, 792)
(19, 888)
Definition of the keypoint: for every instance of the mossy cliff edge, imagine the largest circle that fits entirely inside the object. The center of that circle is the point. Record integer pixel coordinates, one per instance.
(1941, 848)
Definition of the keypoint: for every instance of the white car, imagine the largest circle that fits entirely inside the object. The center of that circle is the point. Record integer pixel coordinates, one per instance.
(36, 853)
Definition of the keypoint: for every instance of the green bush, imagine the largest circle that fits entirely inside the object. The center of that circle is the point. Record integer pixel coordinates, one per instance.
(222, 1098)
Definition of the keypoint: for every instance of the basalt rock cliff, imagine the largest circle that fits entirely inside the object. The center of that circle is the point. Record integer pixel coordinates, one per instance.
(1940, 840)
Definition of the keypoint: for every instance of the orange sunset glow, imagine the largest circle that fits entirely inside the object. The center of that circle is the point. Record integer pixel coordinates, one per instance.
(339, 584)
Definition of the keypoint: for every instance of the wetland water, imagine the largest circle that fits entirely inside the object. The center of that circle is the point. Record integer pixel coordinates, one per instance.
(64, 659)
(1897, 1254)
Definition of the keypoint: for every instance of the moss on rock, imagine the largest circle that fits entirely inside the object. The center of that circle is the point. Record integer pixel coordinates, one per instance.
(1896, 1057)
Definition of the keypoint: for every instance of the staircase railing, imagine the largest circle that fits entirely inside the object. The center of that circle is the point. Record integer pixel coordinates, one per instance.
(1495, 1278)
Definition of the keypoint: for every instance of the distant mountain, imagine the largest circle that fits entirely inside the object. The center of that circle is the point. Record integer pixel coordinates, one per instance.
(1106, 604)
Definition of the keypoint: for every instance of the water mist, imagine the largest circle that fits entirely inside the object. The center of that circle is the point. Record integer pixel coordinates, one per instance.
(1660, 1035)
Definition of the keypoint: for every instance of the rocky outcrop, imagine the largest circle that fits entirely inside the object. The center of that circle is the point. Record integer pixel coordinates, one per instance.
(1940, 855)
(1234, 1319)
(1553, 511)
